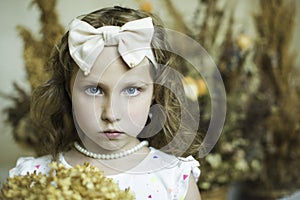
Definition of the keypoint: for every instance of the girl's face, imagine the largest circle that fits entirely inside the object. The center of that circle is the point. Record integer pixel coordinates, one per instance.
(112, 103)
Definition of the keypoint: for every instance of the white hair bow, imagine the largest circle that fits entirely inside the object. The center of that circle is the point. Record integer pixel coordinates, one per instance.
(133, 40)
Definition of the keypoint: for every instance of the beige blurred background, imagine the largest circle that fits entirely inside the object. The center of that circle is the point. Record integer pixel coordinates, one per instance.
(16, 12)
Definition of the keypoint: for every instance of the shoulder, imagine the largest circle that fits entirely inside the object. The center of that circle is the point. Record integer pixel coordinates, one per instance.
(190, 164)
(176, 176)
(30, 164)
(181, 165)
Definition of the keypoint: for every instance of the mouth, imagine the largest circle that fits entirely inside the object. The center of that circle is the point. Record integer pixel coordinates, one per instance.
(112, 134)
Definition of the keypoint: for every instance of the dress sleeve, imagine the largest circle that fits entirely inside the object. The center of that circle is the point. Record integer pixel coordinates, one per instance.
(187, 166)
(29, 165)
(191, 165)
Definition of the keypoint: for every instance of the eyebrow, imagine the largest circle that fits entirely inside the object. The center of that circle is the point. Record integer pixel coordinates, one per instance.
(137, 82)
(126, 83)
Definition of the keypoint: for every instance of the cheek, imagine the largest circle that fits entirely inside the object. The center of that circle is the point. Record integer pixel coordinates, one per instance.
(84, 113)
(139, 109)
(138, 113)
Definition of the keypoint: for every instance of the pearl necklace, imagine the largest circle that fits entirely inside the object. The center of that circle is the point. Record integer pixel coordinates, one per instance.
(110, 156)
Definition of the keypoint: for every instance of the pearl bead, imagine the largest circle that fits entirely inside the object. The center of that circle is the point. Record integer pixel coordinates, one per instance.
(86, 71)
(110, 156)
(132, 64)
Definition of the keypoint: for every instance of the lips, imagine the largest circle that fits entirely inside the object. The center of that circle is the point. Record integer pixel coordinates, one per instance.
(112, 134)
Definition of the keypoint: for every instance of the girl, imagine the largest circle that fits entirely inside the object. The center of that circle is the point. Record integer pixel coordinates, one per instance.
(111, 94)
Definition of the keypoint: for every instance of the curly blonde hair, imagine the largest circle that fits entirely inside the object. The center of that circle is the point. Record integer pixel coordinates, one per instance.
(51, 106)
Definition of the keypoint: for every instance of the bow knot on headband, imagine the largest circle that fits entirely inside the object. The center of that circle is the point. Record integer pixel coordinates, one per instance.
(133, 40)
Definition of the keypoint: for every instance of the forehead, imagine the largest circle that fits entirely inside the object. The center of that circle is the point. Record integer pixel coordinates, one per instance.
(110, 66)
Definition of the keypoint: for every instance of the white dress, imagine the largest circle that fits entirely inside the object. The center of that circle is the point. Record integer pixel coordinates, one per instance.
(158, 177)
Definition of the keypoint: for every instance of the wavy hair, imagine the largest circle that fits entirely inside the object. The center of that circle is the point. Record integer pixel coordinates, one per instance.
(51, 106)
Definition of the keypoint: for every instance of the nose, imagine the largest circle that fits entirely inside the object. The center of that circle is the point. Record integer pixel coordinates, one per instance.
(109, 111)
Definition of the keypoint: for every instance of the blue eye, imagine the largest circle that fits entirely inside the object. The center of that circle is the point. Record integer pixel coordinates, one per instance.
(94, 90)
(131, 91)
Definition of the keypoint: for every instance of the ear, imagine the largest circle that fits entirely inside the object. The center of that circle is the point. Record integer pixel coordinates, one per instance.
(153, 98)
